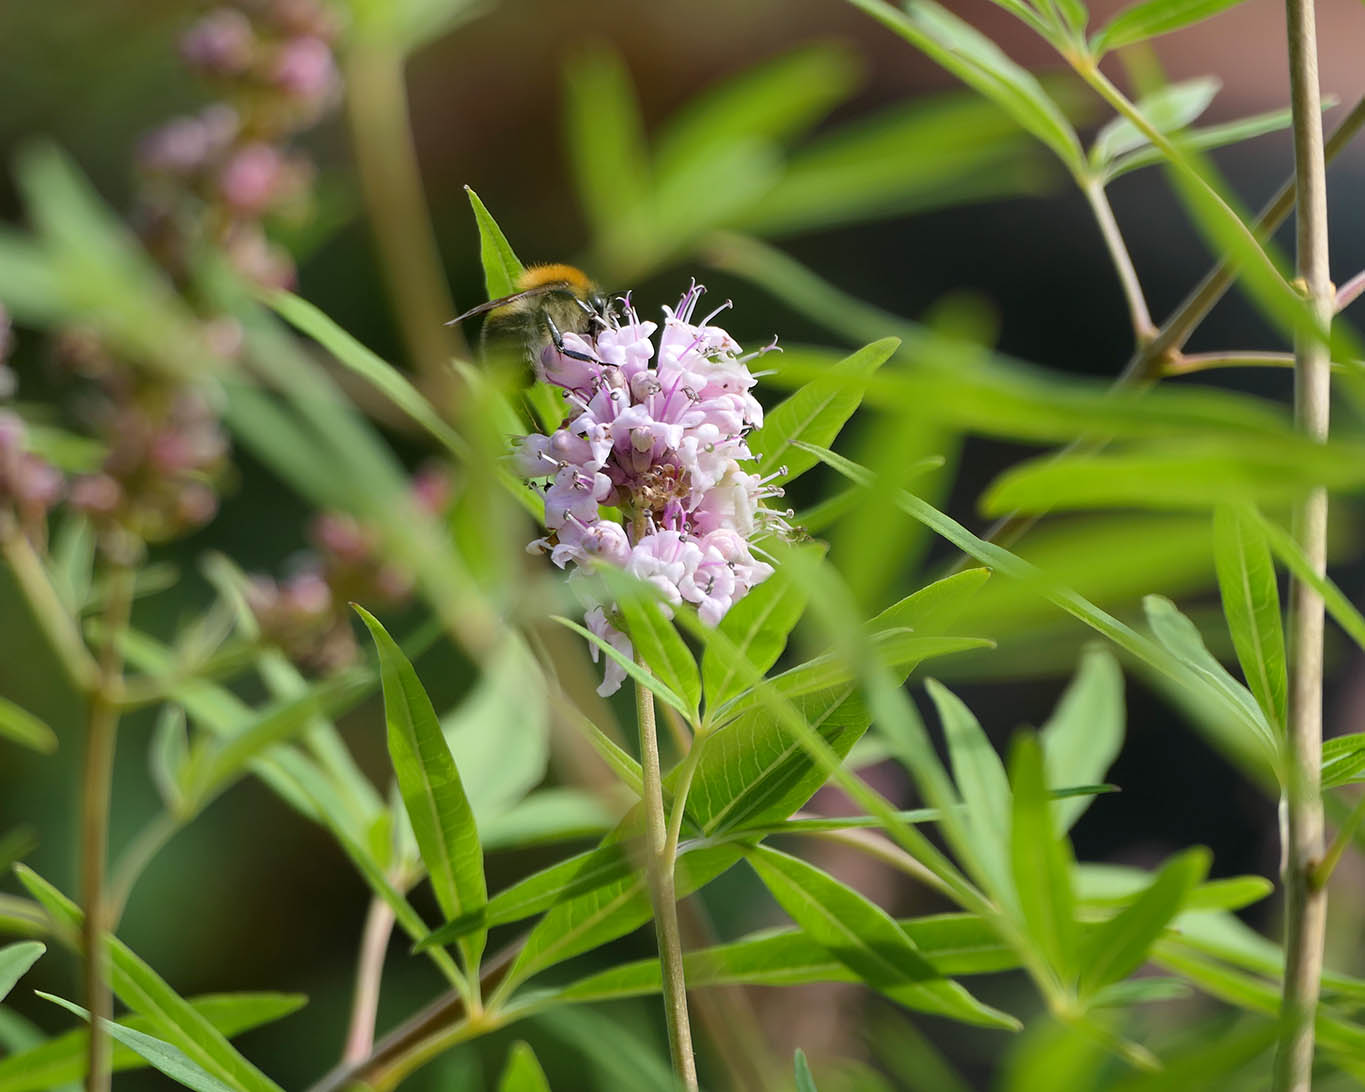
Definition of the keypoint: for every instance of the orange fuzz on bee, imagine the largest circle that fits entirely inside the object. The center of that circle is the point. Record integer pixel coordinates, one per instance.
(551, 300)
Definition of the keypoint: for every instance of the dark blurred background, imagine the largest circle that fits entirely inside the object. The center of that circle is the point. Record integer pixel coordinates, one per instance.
(252, 897)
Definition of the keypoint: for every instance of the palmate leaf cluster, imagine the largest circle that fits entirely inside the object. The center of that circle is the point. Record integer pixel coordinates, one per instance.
(804, 681)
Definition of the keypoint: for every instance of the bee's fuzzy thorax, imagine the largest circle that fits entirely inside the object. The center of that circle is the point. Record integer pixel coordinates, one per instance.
(538, 276)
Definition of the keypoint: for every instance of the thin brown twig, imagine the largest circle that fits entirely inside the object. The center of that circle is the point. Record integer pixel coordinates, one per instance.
(1147, 362)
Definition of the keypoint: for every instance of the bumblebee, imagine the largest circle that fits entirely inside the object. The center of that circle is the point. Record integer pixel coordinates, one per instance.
(550, 301)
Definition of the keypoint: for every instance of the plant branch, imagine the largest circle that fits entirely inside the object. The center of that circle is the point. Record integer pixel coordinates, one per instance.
(374, 945)
(1305, 901)
(96, 779)
(1147, 363)
(1189, 363)
(1143, 328)
(659, 870)
(1349, 292)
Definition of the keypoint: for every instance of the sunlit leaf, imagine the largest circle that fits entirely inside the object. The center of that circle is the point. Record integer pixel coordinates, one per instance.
(522, 1073)
(862, 935)
(1041, 860)
(983, 786)
(1118, 947)
(1149, 18)
(815, 413)
(1085, 732)
(1169, 109)
(501, 266)
(432, 792)
(979, 62)
(1251, 601)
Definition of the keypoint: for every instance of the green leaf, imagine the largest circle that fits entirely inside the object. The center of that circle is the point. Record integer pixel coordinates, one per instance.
(757, 626)
(1343, 757)
(1121, 945)
(1212, 136)
(1182, 637)
(980, 63)
(1150, 18)
(805, 1082)
(657, 643)
(550, 815)
(863, 936)
(645, 678)
(587, 921)
(1193, 475)
(144, 991)
(954, 944)
(1085, 732)
(770, 101)
(501, 267)
(1041, 860)
(1169, 109)
(815, 413)
(1159, 658)
(362, 361)
(605, 138)
(1347, 616)
(23, 727)
(983, 786)
(430, 784)
(15, 960)
(55, 1062)
(522, 1073)
(1251, 601)
(499, 735)
(163, 1056)
(937, 151)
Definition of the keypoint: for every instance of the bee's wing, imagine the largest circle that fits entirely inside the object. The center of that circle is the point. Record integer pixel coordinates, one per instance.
(491, 305)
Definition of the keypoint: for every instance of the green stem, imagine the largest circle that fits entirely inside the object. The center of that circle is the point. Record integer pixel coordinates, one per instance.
(1143, 328)
(659, 871)
(97, 776)
(374, 945)
(1305, 901)
(1189, 363)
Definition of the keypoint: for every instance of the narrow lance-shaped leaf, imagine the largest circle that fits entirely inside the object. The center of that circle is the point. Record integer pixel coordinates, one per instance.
(1118, 947)
(862, 935)
(433, 796)
(815, 413)
(522, 1073)
(758, 626)
(979, 62)
(23, 727)
(146, 992)
(657, 642)
(15, 960)
(983, 786)
(168, 1059)
(52, 1065)
(1150, 18)
(1085, 732)
(805, 1080)
(1251, 602)
(501, 266)
(1042, 861)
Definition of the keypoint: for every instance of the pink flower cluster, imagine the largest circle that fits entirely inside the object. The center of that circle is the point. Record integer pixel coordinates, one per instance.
(660, 438)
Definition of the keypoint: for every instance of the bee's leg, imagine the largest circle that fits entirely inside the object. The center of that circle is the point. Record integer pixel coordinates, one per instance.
(557, 339)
